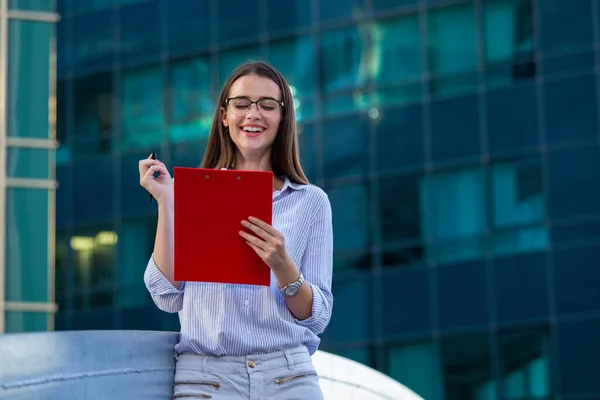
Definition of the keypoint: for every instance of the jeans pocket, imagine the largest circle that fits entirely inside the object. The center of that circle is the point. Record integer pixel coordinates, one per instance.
(195, 388)
(287, 378)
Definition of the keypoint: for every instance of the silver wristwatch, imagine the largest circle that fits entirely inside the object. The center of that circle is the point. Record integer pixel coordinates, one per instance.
(294, 287)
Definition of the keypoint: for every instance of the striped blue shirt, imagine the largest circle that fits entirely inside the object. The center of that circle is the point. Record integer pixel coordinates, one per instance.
(220, 319)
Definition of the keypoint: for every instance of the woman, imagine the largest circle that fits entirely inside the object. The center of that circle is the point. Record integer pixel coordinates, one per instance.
(243, 341)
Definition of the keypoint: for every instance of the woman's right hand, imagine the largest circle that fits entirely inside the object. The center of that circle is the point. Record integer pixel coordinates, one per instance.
(161, 187)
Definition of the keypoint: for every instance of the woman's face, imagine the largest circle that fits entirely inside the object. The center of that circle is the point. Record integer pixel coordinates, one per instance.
(253, 126)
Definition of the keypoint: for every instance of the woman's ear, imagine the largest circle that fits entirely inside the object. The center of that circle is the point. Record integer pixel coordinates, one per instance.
(224, 116)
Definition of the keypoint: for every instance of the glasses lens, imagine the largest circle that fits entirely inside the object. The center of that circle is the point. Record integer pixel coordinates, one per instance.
(268, 105)
(240, 104)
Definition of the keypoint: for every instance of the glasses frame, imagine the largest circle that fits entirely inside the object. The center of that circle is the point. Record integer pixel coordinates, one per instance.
(254, 102)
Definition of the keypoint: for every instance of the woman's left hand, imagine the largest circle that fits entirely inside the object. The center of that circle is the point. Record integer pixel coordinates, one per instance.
(269, 245)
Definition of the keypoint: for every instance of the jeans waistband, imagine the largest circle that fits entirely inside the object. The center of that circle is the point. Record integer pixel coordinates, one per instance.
(241, 364)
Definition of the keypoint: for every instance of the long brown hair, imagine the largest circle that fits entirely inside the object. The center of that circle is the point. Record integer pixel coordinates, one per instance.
(285, 154)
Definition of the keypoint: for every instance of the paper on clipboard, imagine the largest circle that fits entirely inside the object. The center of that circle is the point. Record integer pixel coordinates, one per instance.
(209, 207)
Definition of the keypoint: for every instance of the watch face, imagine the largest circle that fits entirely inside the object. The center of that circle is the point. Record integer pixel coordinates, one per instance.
(291, 290)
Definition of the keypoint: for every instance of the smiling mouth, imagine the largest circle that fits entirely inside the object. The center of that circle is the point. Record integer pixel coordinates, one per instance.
(253, 131)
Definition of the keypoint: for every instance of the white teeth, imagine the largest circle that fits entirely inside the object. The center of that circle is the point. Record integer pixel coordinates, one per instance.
(252, 129)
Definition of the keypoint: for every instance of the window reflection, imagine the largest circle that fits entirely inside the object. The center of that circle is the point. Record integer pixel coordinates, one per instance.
(357, 297)
(93, 115)
(417, 366)
(188, 25)
(229, 60)
(140, 39)
(343, 61)
(288, 15)
(142, 91)
(351, 222)
(346, 147)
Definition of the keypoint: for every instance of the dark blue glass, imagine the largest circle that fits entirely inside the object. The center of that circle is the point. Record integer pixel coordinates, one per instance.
(340, 9)
(350, 214)
(400, 223)
(94, 41)
(399, 135)
(573, 176)
(97, 320)
(412, 364)
(64, 48)
(406, 301)
(581, 62)
(346, 147)
(576, 280)
(575, 231)
(286, 16)
(512, 119)
(578, 349)
(342, 53)
(355, 297)
(381, 5)
(306, 140)
(462, 296)
(80, 7)
(190, 91)
(93, 122)
(521, 288)
(229, 60)
(32, 5)
(295, 59)
(141, 30)
(135, 201)
(455, 132)
(93, 188)
(571, 109)
(574, 21)
(142, 318)
(189, 25)
(238, 21)
(64, 196)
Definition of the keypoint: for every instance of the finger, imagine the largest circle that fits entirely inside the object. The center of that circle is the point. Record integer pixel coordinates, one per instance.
(154, 169)
(257, 249)
(147, 163)
(263, 225)
(256, 229)
(254, 240)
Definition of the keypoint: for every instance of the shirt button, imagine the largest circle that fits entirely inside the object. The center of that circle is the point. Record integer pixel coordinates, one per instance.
(251, 363)
(246, 302)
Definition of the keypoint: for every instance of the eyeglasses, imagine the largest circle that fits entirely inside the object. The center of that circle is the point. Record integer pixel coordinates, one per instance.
(266, 106)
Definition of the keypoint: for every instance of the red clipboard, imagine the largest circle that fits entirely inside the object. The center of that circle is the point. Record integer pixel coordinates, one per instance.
(209, 207)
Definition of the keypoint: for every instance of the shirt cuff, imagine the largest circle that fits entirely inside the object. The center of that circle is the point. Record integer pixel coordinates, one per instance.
(157, 283)
(317, 309)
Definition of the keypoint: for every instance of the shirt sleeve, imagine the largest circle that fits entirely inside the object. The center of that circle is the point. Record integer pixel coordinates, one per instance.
(317, 266)
(166, 296)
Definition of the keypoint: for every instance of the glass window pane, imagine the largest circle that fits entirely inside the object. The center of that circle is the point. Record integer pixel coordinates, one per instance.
(400, 223)
(364, 355)
(141, 30)
(467, 374)
(93, 122)
(27, 245)
(521, 288)
(571, 109)
(574, 21)
(355, 297)
(577, 278)
(94, 42)
(349, 263)
(512, 119)
(94, 254)
(32, 5)
(190, 91)
(340, 9)
(91, 5)
(25, 321)
(416, 366)
(573, 176)
(28, 78)
(231, 59)
(294, 58)
(563, 64)
(518, 198)
(306, 139)
(463, 296)
(406, 301)
(93, 188)
(455, 132)
(452, 36)
(189, 25)
(191, 130)
(28, 163)
(399, 135)
(235, 18)
(142, 94)
(379, 5)
(397, 50)
(578, 349)
(345, 103)
(287, 16)
(525, 364)
(135, 246)
(509, 41)
(135, 200)
(342, 62)
(346, 147)
(351, 222)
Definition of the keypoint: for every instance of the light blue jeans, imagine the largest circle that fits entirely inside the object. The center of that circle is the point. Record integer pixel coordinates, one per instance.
(282, 375)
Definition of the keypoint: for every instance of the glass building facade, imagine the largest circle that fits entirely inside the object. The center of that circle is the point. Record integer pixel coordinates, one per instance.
(27, 167)
(458, 141)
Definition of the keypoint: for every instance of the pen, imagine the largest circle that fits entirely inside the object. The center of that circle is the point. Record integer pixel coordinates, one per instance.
(152, 157)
